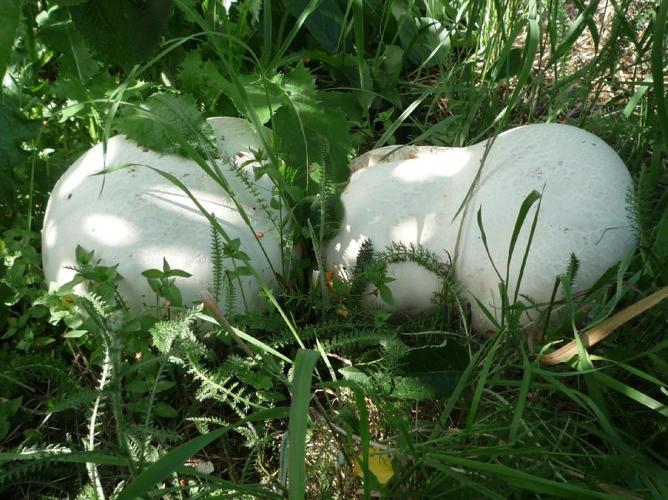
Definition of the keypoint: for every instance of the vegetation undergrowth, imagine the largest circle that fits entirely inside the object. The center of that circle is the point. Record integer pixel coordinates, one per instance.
(321, 396)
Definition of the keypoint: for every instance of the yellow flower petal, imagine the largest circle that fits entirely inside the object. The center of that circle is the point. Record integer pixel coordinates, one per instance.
(380, 465)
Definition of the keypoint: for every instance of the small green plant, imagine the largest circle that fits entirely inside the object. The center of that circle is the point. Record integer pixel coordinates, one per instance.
(8, 409)
(22, 318)
(162, 283)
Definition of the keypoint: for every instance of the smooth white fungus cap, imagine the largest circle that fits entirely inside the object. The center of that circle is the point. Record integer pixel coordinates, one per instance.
(585, 188)
(134, 217)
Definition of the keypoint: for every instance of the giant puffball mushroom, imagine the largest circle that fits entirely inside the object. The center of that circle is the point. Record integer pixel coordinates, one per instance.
(134, 217)
(412, 195)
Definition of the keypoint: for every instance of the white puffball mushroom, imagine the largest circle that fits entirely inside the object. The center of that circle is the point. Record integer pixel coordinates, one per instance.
(134, 217)
(389, 154)
(413, 194)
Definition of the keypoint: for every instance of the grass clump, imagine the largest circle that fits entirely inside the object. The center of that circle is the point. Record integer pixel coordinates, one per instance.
(322, 397)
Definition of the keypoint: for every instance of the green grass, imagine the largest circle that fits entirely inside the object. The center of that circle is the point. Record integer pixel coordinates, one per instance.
(108, 405)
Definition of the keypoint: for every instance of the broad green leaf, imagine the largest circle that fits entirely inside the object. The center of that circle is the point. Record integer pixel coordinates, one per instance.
(354, 374)
(74, 334)
(347, 102)
(153, 274)
(75, 61)
(154, 123)
(10, 407)
(424, 373)
(509, 66)
(138, 386)
(9, 21)
(162, 409)
(299, 81)
(98, 86)
(15, 130)
(308, 130)
(82, 255)
(173, 295)
(123, 32)
(386, 294)
(429, 372)
(263, 95)
(425, 40)
(177, 273)
(201, 78)
(164, 385)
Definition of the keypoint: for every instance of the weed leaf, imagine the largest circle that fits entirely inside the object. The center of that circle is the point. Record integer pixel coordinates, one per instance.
(123, 32)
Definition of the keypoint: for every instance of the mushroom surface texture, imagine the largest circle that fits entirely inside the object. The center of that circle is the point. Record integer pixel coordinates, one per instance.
(134, 217)
(412, 195)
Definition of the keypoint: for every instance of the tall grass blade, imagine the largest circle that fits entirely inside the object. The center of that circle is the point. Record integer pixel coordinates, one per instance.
(517, 478)
(482, 381)
(658, 68)
(301, 396)
(389, 131)
(528, 202)
(457, 392)
(632, 393)
(521, 403)
(305, 13)
(365, 436)
(530, 51)
(583, 20)
(483, 235)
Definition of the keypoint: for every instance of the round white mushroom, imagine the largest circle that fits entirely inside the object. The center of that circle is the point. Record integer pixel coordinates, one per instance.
(414, 198)
(134, 217)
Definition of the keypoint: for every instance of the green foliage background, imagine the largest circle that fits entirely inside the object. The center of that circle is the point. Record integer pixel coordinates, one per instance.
(97, 402)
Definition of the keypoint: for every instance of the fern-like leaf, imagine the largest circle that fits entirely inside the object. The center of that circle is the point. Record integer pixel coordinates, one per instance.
(217, 263)
(359, 281)
(425, 258)
(572, 269)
